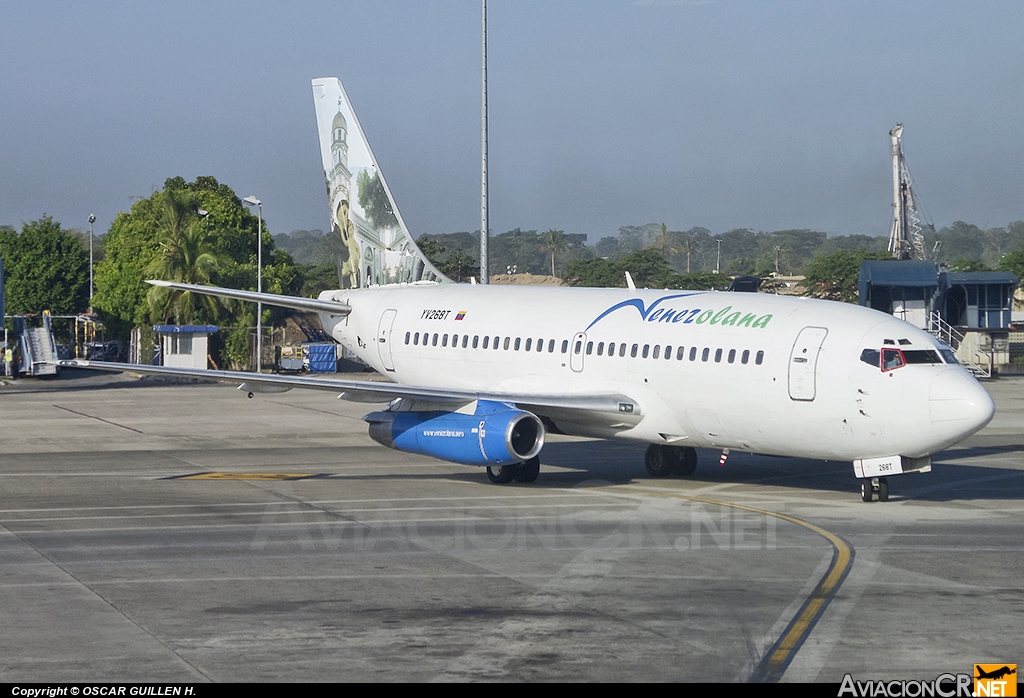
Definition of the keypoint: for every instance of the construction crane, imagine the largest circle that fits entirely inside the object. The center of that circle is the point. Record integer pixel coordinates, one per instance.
(905, 240)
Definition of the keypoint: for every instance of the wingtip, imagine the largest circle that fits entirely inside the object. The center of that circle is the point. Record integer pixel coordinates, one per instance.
(158, 282)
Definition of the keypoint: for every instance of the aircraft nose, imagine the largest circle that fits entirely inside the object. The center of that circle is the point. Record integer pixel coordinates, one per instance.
(958, 402)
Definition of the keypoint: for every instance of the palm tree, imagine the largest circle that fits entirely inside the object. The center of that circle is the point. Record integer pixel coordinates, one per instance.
(688, 247)
(667, 242)
(187, 255)
(553, 241)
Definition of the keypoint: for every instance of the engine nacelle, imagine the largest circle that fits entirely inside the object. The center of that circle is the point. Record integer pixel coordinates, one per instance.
(495, 434)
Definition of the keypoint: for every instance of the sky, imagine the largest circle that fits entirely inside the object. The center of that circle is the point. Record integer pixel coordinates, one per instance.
(716, 113)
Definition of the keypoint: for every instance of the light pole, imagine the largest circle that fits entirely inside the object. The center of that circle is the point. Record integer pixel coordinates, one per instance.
(718, 264)
(253, 201)
(777, 250)
(92, 219)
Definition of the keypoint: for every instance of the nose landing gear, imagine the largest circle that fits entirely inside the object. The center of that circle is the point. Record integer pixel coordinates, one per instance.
(870, 485)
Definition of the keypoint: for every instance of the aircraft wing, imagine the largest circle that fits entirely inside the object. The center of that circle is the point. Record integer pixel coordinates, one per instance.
(611, 409)
(307, 304)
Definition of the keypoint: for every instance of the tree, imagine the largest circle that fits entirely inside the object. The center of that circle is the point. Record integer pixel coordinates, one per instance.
(553, 241)
(667, 242)
(228, 232)
(834, 276)
(187, 255)
(968, 265)
(45, 268)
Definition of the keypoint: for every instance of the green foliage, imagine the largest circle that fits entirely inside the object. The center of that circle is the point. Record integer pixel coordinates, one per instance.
(45, 268)
(834, 276)
(218, 248)
(1014, 262)
(188, 255)
(597, 273)
(319, 278)
(648, 269)
(305, 246)
(552, 242)
(968, 265)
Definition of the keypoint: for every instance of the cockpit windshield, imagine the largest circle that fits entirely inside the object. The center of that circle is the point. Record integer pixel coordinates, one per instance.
(891, 358)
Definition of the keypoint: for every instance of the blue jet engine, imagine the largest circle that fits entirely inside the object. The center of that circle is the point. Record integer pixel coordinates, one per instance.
(497, 433)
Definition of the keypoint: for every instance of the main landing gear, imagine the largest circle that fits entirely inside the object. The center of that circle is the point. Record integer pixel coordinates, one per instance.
(527, 471)
(662, 461)
(870, 485)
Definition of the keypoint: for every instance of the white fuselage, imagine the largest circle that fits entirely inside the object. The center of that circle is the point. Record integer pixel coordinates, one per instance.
(754, 372)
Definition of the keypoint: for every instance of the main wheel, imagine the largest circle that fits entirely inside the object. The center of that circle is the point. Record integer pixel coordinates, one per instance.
(866, 490)
(658, 461)
(883, 489)
(528, 471)
(686, 460)
(501, 474)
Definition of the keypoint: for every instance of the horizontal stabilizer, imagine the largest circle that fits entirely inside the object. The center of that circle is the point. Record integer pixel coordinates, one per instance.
(314, 305)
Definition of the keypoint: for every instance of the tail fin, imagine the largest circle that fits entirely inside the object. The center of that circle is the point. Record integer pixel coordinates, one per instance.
(372, 246)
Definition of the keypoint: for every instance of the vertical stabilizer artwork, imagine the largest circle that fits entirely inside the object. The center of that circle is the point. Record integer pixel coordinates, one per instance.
(371, 245)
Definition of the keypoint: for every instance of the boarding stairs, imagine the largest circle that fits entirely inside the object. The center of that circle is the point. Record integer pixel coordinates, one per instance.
(952, 337)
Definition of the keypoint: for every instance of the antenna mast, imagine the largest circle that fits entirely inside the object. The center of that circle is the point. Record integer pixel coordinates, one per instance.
(905, 240)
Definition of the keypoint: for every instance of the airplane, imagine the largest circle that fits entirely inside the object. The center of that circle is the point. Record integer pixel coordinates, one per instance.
(481, 373)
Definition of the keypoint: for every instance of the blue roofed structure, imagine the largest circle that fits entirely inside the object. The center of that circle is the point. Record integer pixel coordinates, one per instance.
(922, 294)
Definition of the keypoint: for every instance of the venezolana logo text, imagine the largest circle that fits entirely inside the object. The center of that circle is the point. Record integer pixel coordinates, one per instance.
(944, 686)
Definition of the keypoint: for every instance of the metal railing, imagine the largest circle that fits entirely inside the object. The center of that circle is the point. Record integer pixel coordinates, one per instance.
(953, 338)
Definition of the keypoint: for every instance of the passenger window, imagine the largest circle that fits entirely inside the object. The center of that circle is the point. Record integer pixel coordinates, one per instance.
(444, 340)
(705, 354)
(647, 348)
(632, 352)
(529, 343)
(578, 348)
(565, 345)
(718, 356)
(668, 352)
(497, 340)
(611, 348)
(455, 340)
(476, 341)
(551, 346)
(622, 349)
(732, 356)
(507, 340)
(679, 353)
(693, 353)
(465, 341)
(746, 356)
(540, 345)
(486, 340)
(516, 346)
(759, 358)
(892, 359)
(600, 348)
(434, 342)
(416, 338)
(657, 351)
(590, 348)
(407, 337)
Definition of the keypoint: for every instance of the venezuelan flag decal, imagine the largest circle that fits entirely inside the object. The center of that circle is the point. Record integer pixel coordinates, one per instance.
(461, 314)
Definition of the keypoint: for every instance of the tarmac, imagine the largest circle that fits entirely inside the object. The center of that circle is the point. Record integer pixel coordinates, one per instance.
(183, 533)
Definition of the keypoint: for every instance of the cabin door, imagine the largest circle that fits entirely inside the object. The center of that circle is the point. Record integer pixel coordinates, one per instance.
(384, 339)
(803, 363)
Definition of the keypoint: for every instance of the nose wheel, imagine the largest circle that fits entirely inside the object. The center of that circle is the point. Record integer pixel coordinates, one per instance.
(871, 485)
